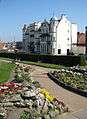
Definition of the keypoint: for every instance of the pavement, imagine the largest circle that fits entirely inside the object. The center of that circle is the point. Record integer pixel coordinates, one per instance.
(77, 104)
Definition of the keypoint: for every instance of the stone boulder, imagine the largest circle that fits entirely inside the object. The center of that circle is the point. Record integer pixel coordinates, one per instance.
(28, 95)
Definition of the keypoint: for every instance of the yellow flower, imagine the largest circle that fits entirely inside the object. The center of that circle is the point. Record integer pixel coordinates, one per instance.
(46, 94)
(50, 98)
(33, 80)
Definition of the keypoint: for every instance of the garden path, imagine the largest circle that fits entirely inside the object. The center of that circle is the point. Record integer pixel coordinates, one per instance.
(76, 103)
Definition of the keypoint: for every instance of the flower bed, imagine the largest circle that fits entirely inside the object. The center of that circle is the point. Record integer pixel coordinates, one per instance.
(10, 87)
(72, 80)
(34, 100)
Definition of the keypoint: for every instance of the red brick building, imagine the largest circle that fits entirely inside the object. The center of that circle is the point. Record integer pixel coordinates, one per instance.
(1, 45)
(80, 46)
(81, 40)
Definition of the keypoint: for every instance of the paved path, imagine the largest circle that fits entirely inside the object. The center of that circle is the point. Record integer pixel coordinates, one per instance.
(76, 103)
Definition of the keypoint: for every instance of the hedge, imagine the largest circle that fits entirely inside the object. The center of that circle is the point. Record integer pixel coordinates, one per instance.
(69, 60)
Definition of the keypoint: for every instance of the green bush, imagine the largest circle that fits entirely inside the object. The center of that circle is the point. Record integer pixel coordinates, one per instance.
(69, 60)
(24, 115)
(82, 60)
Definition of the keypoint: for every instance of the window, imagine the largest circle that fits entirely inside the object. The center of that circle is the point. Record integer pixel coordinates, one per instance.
(41, 48)
(54, 39)
(31, 30)
(26, 33)
(68, 39)
(51, 37)
(66, 21)
(67, 51)
(59, 51)
(31, 35)
(53, 50)
(49, 48)
(45, 48)
(46, 30)
(68, 30)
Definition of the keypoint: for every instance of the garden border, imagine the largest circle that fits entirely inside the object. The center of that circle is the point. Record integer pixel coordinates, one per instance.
(65, 86)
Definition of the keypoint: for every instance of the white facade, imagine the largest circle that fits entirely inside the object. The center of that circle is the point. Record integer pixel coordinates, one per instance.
(74, 31)
(54, 37)
(62, 36)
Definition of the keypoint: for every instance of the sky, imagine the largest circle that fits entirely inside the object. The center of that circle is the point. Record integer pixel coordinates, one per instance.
(15, 13)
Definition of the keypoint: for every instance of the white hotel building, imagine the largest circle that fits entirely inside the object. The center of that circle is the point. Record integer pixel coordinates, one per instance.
(55, 37)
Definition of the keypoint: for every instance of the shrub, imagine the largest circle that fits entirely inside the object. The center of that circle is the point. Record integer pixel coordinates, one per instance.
(24, 115)
(82, 60)
(69, 60)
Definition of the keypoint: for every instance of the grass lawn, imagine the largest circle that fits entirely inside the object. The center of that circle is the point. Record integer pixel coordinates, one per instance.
(5, 71)
(8, 59)
(46, 65)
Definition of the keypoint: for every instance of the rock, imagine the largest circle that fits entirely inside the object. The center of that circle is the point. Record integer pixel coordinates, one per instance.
(50, 105)
(29, 87)
(2, 97)
(5, 100)
(40, 100)
(28, 95)
(8, 104)
(37, 91)
(46, 116)
(25, 89)
(29, 98)
(35, 104)
(44, 107)
(29, 103)
(41, 96)
(39, 117)
(3, 112)
(17, 104)
(19, 91)
(2, 115)
(16, 98)
(20, 104)
(53, 114)
(63, 70)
